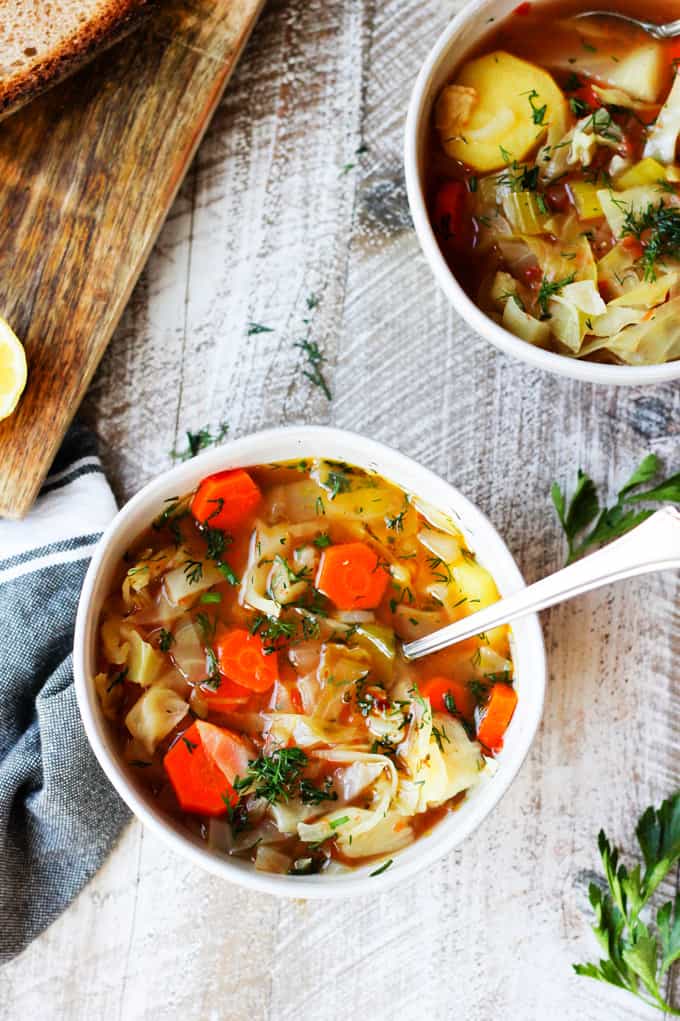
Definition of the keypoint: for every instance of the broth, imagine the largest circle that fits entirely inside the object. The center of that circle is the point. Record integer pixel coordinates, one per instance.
(249, 663)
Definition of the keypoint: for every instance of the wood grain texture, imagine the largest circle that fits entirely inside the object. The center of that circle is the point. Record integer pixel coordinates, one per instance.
(266, 217)
(87, 175)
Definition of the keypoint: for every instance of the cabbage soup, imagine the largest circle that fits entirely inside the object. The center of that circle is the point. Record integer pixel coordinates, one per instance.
(249, 662)
(553, 181)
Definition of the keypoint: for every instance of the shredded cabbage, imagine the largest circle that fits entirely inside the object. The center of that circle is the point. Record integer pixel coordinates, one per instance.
(663, 135)
(618, 205)
(652, 342)
(154, 715)
(525, 326)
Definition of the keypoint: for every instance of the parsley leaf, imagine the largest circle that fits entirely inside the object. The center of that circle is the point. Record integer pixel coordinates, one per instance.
(638, 956)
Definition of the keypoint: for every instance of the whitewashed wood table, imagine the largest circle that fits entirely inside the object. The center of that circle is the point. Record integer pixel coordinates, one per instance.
(298, 190)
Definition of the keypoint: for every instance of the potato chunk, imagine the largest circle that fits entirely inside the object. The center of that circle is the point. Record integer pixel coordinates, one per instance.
(507, 115)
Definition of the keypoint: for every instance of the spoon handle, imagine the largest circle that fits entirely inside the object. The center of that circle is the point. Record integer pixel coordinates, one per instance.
(670, 30)
(652, 546)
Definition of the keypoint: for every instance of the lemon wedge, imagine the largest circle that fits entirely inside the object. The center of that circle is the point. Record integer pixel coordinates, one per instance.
(13, 370)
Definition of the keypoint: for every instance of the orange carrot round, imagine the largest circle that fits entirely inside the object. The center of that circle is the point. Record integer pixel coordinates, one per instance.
(497, 717)
(352, 577)
(461, 700)
(242, 659)
(225, 499)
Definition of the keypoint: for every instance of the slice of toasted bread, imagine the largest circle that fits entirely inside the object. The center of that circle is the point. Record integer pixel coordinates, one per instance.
(42, 41)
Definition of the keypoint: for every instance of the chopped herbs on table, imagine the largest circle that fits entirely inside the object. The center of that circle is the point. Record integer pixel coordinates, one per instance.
(639, 944)
(197, 441)
(315, 359)
(582, 510)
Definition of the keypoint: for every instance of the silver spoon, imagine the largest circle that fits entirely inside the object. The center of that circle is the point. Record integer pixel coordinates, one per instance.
(652, 546)
(668, 31)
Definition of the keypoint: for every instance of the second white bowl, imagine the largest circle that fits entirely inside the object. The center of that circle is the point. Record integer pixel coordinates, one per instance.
(464, 32)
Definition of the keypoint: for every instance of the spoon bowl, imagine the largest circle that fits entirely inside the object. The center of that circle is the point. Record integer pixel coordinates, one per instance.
(668, 31)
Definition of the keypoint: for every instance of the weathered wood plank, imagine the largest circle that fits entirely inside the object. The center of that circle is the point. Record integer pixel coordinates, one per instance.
(87, 175)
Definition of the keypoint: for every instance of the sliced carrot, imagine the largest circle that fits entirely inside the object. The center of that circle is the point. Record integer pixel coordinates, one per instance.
(242, 659)
(225, 697)
(498, 714)
(633, 245)
(202, 772)
(352, 577)
(226, 499)
(296, 699)
(461, 700)
(230, 752)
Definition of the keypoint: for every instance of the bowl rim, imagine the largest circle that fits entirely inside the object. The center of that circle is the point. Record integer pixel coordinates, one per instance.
(242, 452)
(573, 368)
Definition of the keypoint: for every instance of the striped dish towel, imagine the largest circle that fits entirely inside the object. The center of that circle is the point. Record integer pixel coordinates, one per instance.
(58, 814)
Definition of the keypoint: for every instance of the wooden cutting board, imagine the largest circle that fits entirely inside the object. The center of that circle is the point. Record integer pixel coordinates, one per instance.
(87, 175)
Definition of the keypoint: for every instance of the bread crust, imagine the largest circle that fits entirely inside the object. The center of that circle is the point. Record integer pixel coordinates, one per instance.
(115, 19)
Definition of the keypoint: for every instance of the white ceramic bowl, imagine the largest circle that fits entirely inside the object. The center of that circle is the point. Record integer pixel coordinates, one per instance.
(283, 445)
(454, 43)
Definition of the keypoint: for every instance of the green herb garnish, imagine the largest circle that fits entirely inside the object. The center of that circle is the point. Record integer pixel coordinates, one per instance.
(548, 289)
(537, 112)
(119, 678)
(315, 359)
(639, 954)
(197, 441)
(383, 868)
(278, 777)
(165, 640)
(578, 513)
(660, 226)
(193, 569)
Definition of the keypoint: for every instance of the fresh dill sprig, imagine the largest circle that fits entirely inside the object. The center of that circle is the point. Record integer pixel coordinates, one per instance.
(197, 441)
(315, 359)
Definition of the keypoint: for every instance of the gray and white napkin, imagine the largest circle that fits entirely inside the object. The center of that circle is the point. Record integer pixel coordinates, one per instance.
(59, 815)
